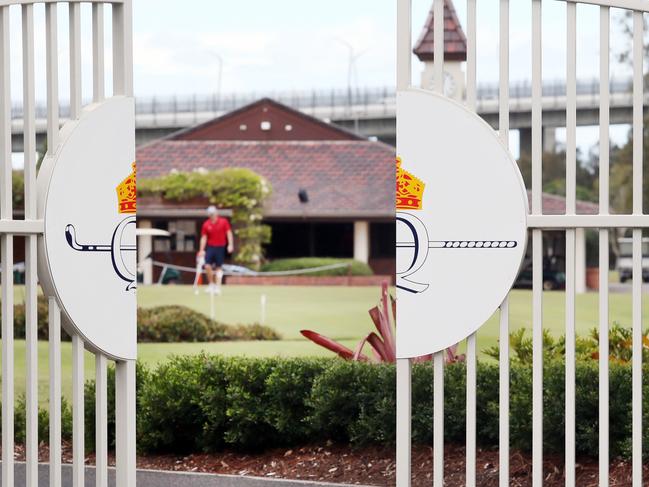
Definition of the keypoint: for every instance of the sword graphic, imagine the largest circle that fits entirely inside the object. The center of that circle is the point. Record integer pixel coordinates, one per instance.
(71, 237)
(463, 244)
(115, 248)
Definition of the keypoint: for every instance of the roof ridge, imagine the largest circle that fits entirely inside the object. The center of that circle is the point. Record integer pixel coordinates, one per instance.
(455, 43)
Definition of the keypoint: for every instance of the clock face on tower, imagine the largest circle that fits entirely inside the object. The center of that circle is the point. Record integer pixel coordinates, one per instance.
(450, 86)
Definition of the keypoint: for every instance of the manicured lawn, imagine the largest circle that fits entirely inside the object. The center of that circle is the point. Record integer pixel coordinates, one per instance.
(340, 313)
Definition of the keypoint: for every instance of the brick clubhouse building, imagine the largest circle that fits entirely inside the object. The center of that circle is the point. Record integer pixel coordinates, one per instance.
(333, 191)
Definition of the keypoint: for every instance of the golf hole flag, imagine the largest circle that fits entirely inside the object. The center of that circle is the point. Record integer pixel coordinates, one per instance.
(461, 222)
(87, 257)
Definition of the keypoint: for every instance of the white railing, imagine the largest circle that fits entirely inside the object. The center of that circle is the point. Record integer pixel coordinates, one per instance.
(375, 101)
(538, 223)
(32, 228)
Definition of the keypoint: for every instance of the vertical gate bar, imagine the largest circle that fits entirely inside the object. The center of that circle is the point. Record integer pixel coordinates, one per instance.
(503, 400)
(537, 250)
(404, 366)
(404, 422)
(31, 279)
(78, 448)
(537, 88)
(438, 45)
(438, 419)
(6, 256)
(55, 392)
(503, 364)
(29, 130)
(125, 423)
(471, 387)
(31, 359)
(404, 20)
(570, 358)
(537, 358)
(5, 117)
(571, 107)
(638, 79)
(471, 356)
(52, 71)
(125, 370)
(438, 359)
(75, 59)
(503, 113)
(98, 75)
(122, 49)
(604, 147)
(571, 184)
(101, 421)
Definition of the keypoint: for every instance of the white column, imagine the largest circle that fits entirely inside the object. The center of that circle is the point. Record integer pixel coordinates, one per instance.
(144, 249)
(580, 261)
(362, 241)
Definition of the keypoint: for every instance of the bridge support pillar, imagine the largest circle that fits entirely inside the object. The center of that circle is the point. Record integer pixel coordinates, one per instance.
(549, 140)
(144, 250)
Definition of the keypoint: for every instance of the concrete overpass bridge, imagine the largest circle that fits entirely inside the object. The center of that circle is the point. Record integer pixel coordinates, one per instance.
(369, 112)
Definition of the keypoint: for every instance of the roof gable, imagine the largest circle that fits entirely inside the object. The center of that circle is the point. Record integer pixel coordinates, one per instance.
(454, 39)
(265, 120)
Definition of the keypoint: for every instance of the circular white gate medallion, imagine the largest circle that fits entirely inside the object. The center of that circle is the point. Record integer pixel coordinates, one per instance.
(461, 222)
(87, 258)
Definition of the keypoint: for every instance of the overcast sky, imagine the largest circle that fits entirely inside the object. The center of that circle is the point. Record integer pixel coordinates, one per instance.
(286, 45)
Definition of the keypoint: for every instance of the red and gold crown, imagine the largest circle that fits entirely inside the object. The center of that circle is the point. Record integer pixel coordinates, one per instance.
(126, 194)
(410, 190)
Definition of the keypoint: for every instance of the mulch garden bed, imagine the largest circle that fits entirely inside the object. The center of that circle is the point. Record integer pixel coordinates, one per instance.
(369, 466)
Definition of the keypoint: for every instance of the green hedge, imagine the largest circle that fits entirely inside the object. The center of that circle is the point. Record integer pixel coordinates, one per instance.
(176, 323)
(357, 268)
(206, 403)
(162, 324)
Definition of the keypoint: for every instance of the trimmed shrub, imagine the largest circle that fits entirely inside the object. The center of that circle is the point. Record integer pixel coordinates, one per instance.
(170, 417)
(176, 323)
(357, 268)
(142, 377)
(206, 403)
(161, 324)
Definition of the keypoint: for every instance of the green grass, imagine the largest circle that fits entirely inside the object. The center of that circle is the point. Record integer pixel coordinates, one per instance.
(338, 312)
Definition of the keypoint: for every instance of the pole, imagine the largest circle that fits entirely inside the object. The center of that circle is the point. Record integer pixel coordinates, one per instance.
(262, 319)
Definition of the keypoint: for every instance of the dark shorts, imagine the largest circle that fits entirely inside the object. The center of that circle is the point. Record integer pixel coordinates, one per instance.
(214, 256)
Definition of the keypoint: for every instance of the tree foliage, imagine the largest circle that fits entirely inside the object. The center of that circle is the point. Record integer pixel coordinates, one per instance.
(242, 190)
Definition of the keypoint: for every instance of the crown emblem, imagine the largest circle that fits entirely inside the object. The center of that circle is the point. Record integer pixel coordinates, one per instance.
(126, 194)
(410, 189)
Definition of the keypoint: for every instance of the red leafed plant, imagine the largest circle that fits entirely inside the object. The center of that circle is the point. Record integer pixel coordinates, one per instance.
(382, 342)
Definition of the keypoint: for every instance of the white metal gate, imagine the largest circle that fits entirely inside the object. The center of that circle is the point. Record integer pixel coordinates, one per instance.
(32, 228)
(538, 222)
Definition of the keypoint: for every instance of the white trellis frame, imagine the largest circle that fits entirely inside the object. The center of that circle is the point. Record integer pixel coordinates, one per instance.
(32, 228)
(538, 223)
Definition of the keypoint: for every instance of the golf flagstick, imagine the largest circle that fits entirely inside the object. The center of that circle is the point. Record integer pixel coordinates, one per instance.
(200, 263)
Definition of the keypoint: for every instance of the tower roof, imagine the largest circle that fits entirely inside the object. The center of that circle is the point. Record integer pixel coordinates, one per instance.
(454, 38)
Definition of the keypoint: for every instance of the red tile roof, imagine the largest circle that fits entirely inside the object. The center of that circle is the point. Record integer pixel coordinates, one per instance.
(343, 179)
(556, 205)
(281, 123)
(454, 38)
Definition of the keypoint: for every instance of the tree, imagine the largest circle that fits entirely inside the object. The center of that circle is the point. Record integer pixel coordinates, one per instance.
(554, 174)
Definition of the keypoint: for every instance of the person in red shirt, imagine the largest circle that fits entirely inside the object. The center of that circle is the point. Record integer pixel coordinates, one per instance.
(216, 233)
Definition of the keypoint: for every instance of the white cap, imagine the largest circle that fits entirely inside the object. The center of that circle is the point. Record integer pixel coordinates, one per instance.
(211, 210)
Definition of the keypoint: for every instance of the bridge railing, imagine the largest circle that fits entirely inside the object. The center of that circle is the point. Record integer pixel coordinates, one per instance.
(331, 103)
